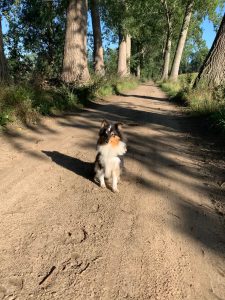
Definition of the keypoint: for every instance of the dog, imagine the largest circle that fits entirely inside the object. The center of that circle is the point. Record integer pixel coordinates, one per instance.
(111, 147)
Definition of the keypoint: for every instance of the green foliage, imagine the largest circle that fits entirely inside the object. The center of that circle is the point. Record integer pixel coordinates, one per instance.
(16, 102)
(35, 38)
(199, 102)
(175, 89)
(106, 90)
(218, 118)
(171, 88)
(115, 85)
(27, 102)
(193, 56)
(111, 58)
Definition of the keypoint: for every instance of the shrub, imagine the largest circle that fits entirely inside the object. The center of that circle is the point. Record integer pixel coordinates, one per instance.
(27, 102)
(201, 101)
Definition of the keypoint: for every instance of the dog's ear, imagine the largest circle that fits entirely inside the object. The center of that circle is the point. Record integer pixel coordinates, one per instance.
(119, 125)
(104, 123)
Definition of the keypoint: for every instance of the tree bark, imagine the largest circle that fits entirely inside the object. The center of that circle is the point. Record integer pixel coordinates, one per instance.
(212, 72)
(138, 71)
(75, 66)
(98, 49)
(122, 59)
(3, 62)
(166, 64)
(128, 54)
(182, 40)
(165, 73)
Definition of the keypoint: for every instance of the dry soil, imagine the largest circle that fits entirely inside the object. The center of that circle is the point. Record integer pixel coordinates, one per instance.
(63, 237)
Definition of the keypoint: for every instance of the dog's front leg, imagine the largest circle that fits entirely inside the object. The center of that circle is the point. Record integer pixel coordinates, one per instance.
(102, 180)
(114, 182)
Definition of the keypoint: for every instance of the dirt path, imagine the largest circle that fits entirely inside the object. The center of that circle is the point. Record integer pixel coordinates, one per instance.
(62, 237)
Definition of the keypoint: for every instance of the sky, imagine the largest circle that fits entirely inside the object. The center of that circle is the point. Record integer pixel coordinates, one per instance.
(208, 32)
(207, 26)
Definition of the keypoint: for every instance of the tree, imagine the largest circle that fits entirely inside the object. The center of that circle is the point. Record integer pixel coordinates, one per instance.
(75, 66)
(38, 33)
(128, 54)
(116, 14)
(212, 72)
(167, 53)
(194, 55)
(122, 56)
(98, 49)
(4, 8)
(181, 41)
(3, 63)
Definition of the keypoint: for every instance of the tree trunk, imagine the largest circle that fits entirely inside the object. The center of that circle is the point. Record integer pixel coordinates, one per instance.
(182, 40)
(212, 72)
(122, 59)
(98, 49)
(3, 62)
(165, 73)
(75, 67)
(166, 64)
(128, 54)
(138, 71)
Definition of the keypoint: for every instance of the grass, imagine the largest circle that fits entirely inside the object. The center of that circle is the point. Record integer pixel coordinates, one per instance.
(199, 102)
(114, 85)
(26, 102)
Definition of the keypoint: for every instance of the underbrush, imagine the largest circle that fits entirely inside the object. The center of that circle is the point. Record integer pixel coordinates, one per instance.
(199, 102)
(27, 102)
(184, 82)
(115, 85)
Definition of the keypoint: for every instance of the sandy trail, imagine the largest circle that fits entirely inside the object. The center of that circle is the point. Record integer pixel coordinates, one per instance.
(62, 237)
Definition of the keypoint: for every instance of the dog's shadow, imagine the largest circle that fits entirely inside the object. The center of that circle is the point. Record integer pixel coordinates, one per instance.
(79, 167)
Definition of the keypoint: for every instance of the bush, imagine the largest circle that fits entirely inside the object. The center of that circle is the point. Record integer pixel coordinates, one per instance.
(116, 85)
(27, 102)
(16, 103)
(202, 102)
(218, 118)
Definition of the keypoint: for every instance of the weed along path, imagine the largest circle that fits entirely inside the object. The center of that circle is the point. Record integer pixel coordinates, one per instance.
(62, 237)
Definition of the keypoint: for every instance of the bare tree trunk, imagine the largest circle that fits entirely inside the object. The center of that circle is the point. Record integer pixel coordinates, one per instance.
(212, 72)
(138, 74)
(3, 62)
(98, 49)
(128, 45)
(122, 59)
(166, 64)
(75, 67)
(182, 40)
(165, 73)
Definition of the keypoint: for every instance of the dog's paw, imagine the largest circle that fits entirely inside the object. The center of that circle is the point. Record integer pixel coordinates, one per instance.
(96, 180)
(115, 190)
(103, 186)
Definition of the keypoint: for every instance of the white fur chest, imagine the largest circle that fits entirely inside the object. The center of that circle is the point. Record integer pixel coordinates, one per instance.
(109, 156)
(108, 151)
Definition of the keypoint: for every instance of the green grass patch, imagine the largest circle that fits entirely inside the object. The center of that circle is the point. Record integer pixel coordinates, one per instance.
(115, 85)
(199, 102)
(26, 102)
(171, 88)
(126, 84)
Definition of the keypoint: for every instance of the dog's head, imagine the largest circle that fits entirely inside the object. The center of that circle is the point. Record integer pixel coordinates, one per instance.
(110, 133)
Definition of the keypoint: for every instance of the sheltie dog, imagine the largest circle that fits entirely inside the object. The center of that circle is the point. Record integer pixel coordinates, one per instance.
(111, 147)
